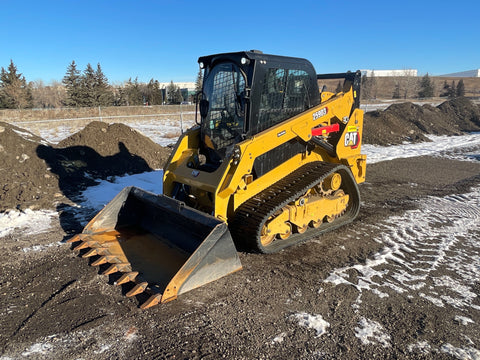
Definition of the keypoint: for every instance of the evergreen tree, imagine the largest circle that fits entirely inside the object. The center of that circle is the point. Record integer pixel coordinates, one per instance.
(133, 94)
(426, 87)
(14, 91)
(449, 90)
(445, 88)
(452, 91)
(102, 93)
(460, 88)
(174, 94)
(152, 93)
(72, 82)
(88, 87)
(178, 96)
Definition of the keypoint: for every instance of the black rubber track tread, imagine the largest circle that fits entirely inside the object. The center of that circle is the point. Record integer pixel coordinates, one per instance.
(250, 217)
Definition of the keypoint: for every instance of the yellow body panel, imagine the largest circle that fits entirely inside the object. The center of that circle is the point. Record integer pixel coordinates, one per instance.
(232, 183)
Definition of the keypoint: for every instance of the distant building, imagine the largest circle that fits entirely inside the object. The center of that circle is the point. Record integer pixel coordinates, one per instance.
(187, 89)
(388, 73)
(181, 85)
(469, 73)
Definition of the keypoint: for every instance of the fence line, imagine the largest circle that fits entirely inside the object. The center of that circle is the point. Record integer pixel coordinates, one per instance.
(26, 116)
(103, 117)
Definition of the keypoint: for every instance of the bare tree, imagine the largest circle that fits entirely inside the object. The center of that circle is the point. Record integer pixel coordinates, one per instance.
(369, 86)
(48, 96)
(406, 84)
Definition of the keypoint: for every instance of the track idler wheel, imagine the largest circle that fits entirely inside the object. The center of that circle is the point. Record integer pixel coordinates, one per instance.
(301, 229)
(287, 233)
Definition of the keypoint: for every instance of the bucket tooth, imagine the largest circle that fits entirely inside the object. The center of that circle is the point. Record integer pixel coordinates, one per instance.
(104, 259)
(152, 301)
(96, 251)
(130, 276)
(76, 238)
(123, 267)
(91, 252)
(87, 242)
(82, 245)
(101, 260)
(137, 289)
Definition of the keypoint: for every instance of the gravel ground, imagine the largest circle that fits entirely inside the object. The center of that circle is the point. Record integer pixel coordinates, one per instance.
(399, 282)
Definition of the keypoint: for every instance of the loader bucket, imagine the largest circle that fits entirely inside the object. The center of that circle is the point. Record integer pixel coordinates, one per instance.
(164, 247)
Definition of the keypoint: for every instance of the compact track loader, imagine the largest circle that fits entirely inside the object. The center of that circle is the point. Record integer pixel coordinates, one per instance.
(272, 162)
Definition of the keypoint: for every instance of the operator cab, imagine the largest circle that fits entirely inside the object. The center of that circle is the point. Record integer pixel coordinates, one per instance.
(245, 93)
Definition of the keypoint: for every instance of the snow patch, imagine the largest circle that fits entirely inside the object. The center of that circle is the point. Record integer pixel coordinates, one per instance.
(463, 320)
(469, 353)
(96, 197)
(279, 338)
(102, 349)
(314, 322)
(38, 348)
(422, 347)
(40, 247)
(435, 301)
(29, 221)
(438, 145)
(371, 332)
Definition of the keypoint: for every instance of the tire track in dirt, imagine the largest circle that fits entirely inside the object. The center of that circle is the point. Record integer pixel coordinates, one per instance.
(437, 237)
(43, 304)
(430, 259)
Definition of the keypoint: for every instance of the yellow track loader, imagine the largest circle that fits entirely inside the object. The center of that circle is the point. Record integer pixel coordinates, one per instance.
(272, 162)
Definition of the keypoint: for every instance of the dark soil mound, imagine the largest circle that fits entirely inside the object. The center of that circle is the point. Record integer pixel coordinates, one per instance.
(37, 174)
(467, 115)
(408, 122)
(108, 140)
(24, 177)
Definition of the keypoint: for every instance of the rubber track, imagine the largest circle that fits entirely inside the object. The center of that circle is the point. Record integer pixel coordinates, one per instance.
(250, 217)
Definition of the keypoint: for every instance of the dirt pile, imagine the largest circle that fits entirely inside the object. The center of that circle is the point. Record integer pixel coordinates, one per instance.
(109, 140)
(466, 114)
(35, 174)
(408, 122)
(24, 177)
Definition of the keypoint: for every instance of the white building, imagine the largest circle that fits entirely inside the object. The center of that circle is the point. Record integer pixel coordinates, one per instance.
(187, 89)
(469, 73)
(381, 73)
(181, 85)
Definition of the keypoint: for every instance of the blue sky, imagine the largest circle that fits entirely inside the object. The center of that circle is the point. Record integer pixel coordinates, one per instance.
(163, 39)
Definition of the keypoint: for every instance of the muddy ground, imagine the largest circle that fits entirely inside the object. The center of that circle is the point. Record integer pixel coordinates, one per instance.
(54, 306)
